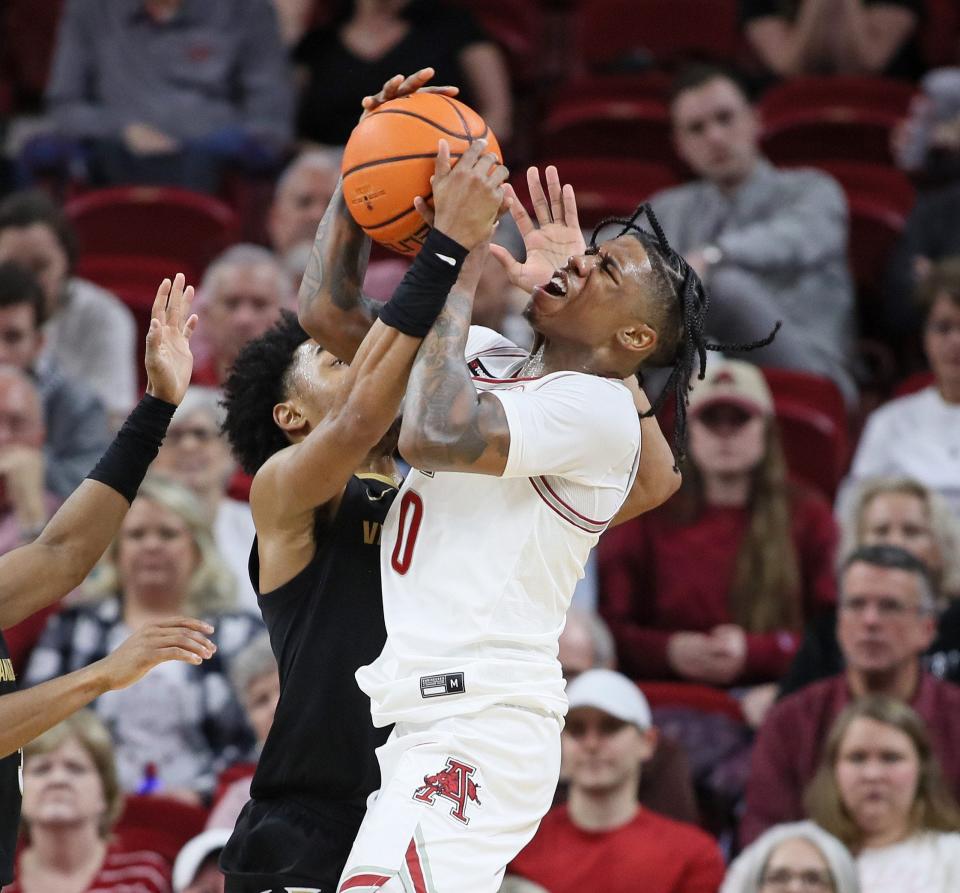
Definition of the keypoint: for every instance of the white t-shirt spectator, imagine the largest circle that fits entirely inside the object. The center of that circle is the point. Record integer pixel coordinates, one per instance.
(928, 862)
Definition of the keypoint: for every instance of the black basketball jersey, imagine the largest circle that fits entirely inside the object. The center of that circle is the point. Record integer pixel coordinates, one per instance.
(9, 780)
(324, 624)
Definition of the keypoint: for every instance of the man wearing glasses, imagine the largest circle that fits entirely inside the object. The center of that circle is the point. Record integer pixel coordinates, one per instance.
(886, 621)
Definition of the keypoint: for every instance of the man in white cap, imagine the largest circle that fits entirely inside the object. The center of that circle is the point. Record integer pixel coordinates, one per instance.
(602, 839)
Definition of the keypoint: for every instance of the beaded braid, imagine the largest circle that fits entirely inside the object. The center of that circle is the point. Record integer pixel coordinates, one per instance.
(694, 302)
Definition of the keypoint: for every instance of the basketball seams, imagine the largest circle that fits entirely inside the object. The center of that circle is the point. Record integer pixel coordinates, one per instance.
(466, 135)
(399, 216)
(463, 121)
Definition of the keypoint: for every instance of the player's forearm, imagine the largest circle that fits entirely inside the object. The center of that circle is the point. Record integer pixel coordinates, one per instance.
(332, 308)
(26, 714)
(442, 408)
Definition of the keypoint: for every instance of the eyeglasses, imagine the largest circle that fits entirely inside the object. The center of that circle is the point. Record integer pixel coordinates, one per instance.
(887, 608)
(811, 879)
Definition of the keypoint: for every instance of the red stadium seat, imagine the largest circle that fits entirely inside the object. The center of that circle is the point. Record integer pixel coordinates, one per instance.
(792, 387)
(913, 383)
(874, 230)
(809, 135)
(837, 93)
(30, 35)
(874, 182)
(606, 187)
(134, 279)
(692, 695)
(518, 28)
(611, 128)
(667, 31)
(183, 227)
(651, 85)
(160, 824)
(812, 443)
(940, 32)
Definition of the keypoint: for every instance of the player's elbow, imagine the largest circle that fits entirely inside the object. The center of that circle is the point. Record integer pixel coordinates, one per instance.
(669, 483)
(423, 446)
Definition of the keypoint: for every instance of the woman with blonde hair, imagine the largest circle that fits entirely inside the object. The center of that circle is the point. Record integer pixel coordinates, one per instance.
(715, 587)
(71, 800)
(178, 727)
(880, 790)
(799, 851)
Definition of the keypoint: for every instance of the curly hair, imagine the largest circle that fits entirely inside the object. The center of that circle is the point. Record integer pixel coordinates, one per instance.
(258, 381)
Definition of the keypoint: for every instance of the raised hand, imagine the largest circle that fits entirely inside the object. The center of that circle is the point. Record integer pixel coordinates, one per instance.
(179, 638)
(168, 359)
(557, 238)
(467, 197)
(399, 86)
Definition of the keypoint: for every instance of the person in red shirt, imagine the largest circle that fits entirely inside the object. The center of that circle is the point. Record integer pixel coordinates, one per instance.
(602, 839)
(715, 586)
(71, 800)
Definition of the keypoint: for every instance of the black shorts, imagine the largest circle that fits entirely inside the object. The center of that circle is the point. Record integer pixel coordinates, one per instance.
(283, 843)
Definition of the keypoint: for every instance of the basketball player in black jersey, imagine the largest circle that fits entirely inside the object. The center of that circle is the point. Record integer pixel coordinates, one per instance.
(319, 437)
(42, 572)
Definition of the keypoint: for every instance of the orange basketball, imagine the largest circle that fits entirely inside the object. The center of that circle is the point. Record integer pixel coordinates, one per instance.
(389, 160)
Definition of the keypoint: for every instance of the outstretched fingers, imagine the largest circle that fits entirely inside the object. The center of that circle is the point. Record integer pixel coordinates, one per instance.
(159, 310)
(570, 215)
(538, 197)
(554, 191)
(510, 264)
(518, 211)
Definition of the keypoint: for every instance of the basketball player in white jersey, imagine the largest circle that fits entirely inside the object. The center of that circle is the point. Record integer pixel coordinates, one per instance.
(519, 463)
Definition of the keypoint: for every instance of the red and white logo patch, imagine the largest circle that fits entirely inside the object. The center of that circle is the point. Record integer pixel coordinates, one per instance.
(454, 784)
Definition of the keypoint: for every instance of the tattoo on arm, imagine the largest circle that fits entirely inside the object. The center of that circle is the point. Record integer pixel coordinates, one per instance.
(337, 263)
(442, 401)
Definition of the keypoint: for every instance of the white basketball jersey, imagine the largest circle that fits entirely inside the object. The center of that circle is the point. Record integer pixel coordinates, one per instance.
(478, 571)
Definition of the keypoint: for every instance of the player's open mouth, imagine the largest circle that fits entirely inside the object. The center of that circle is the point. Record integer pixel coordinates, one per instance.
(557, 286)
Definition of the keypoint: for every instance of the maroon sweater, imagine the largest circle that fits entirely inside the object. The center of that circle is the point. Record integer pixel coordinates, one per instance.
(788, 747)
(659, 576)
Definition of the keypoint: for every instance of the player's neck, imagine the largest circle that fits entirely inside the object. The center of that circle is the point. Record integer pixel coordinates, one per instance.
(382, 465)
(603, 810)
(548, 357)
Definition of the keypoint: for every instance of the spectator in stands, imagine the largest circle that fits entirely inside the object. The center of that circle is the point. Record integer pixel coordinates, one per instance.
(763, 550)
(602, 838)
(771, 244)
(170, 91)
(243, 292)
(196, 454)
(197, 868)
(796, 856)
(175, 730)
(256, 681)
(74, 418)
(927, 141)
(299, 200)
(89, 334)
(294, 17)
(897, 512)
(666, 785)
(917, 435)
(374, 39)
(25, 503)
(71, 800)
(886, 622)
(800, 37)
(880, 789)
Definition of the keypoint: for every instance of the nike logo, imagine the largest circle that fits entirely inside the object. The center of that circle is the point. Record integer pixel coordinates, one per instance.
(447, 260)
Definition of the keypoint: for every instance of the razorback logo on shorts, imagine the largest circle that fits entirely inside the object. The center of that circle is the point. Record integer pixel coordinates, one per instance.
(453, 783)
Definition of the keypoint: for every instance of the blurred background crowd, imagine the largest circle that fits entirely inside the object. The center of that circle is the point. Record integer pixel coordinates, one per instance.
(763, 672)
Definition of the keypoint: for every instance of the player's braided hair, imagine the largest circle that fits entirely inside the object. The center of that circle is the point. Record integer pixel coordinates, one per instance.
(688, 341)
(257, 382)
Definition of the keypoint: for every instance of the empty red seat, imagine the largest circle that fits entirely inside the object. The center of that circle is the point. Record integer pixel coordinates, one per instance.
(876, 182)
(875, 228)
(184, 227)
(30, 37)
(518, 28)
(809, 135)
(160, 824)
(940, 32)
(812, 443)
(606, 187)
(792, 387)
(837, 93)
(692, 695)
(611, 128)
(666, 31)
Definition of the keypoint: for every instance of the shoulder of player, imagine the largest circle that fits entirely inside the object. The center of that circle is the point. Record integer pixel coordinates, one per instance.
(481, 341)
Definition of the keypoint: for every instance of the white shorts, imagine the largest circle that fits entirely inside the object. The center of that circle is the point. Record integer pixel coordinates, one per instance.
(459, 798)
